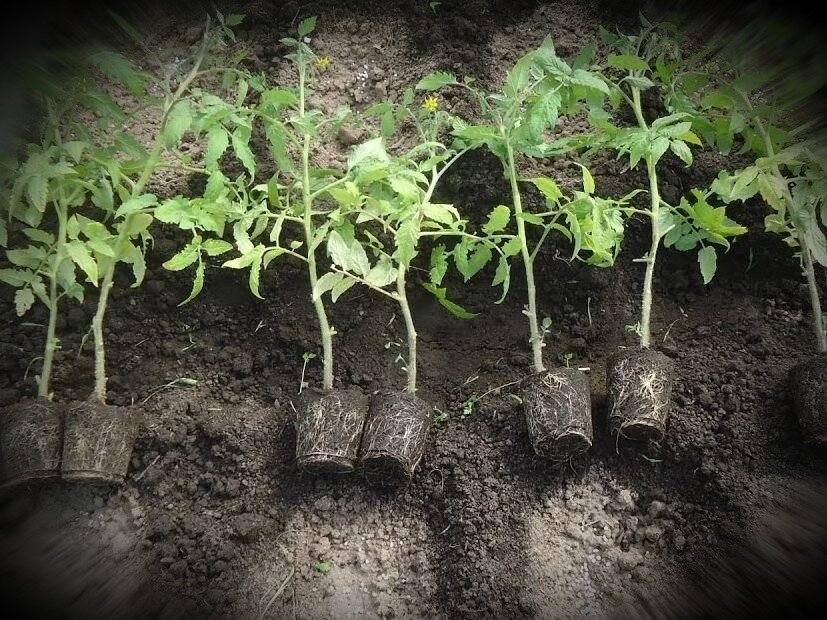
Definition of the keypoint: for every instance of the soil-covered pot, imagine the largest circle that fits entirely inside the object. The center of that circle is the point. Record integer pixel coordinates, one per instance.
(558, 413)
(98, 442)
(31, 433)
(640, 386)
(809, 387)
(329, 429)
(395, 437)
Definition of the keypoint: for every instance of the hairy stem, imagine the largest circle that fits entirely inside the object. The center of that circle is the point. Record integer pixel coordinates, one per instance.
(646, 301)
(536, 337)
(54, 300)
(409, 326)
(818, 316)
(309, 230)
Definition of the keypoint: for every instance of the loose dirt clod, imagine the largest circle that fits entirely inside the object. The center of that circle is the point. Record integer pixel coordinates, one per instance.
(640, 385)
(329, 429)
(558, 413)
(98, 442)
(809, 390)
(395, 436)
(31, 433)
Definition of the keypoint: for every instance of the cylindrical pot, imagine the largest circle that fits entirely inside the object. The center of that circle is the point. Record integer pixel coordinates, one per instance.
(98, 442)
(329, 429)
(31, 433)
(809, 387)
(558, 413)
(640, 386)
(395, 436)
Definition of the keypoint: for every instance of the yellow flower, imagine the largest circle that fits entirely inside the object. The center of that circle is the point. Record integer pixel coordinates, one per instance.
(431, 104)
(322, 63)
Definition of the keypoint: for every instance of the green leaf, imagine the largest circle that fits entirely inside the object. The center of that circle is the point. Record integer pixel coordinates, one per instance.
(589, 80)
(38, 192)
(502, 276)
(137, 224)
(217, 142)
(445, 214)
(41, 236)
(120, 69)
(241, 147)
(82, 258)
(186, 257)
(340, 287)
(455, 309)
(216, 247)
(177, 123)
(708, 261)
(75, 149)
(641, 83)
(548, 188)
(439, 264)
(435, 81)
(325, 283)
(371, 150)
(382, 274)
(135, 205)
(255, 270)
(588, 180)
(529, 218)
(23, 300)
(497, 220)
(4, 236)
(14, 277)
(680, 148)
(513, 247)
(306, 26)
(197, 283)
(407, 238)
(628, 62)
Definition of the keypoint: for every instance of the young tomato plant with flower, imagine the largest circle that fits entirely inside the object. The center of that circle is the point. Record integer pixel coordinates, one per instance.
(516, 123)
(650, 62)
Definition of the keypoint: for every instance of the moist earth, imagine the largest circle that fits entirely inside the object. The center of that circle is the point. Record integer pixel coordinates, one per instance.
(216, 520)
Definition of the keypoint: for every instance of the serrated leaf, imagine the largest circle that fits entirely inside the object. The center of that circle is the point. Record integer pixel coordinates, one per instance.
(529, 218)
(306, 26)
(628, 62)
(216, 247)
(439, 264)
(435, 81)
(177, 123)
(197, 283)
(119, 68)
(640, 83)
(588, 180)
(103, 196)
(502, 276)
(186, 257)
(80, 255)
(38, 192)
(75, 148)
(325, 283)
(241, 147)
(340, 287)
(133, 205)
(680, 148)
(708, 262)
(217, 142)
(255, 271)
(14, 277)
(407, 238)
(497, 220)
(23, 300)
(382, 274)
(589, 80)
(445, 214)
(548, 188)
(513, 247)
(454, 308)
(41, 236)
(373, 149)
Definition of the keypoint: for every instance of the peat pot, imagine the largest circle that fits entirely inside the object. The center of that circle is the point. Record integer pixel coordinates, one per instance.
(640, 383)
(558, 413)
(31, 432)
(395, 437)
(809, 388)
(98, 442)
(329, 428)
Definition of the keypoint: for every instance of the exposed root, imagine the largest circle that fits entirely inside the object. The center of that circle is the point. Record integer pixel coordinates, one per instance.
(395, 437)
(558, 414)
(31, 434)
(98, 443)
(329, 429)
(640, 385)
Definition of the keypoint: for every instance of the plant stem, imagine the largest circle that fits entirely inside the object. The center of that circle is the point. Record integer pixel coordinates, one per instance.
(54, 300)
(409, 326)
(818, 316)
(536, 338)
(154, 157)
(307, 199)
(646, 302)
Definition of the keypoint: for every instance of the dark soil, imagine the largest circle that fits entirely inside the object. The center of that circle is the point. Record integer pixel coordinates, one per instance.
(97, 442)
(558, 413)
(215, 518)
(809, 388)
(329, 430)
(640, 389)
